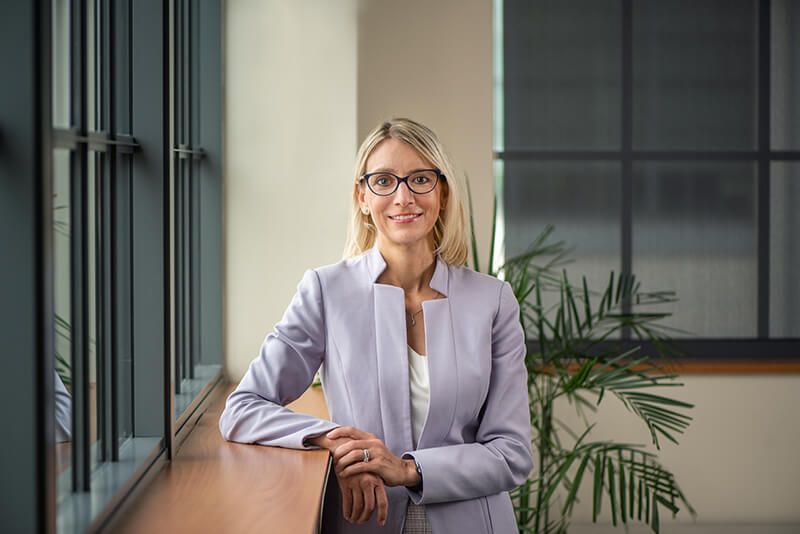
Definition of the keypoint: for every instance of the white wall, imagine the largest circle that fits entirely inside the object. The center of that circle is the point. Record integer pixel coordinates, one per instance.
(305, 81)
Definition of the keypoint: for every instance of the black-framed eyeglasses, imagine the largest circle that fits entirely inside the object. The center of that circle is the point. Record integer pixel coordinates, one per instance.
(385, 183)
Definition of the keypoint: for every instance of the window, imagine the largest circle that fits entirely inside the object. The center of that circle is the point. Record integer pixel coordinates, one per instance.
(662, 139)
(115, 206)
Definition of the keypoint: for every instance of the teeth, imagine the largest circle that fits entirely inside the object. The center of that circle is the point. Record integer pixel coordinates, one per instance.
(401, 217)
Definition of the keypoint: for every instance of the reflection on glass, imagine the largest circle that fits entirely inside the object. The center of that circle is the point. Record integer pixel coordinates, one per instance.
(63, 411)
(694, 232)
(562, 70)
(785, 70)
(694, 69)
(582, 200)
(63, 322)
(784, 295)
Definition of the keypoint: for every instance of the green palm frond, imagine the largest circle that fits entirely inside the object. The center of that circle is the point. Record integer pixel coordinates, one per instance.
(573, 353)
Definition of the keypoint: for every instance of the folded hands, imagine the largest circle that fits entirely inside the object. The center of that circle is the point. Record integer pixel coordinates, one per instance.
(362, 482)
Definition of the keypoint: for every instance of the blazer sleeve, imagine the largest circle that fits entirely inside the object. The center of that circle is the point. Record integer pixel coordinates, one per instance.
(255, 412)
(500, 459)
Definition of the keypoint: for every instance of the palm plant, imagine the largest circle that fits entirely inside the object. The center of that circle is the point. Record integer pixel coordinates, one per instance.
(574, 357)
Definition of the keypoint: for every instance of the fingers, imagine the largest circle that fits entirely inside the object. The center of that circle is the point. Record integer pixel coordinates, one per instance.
(361, 496)
(359, 468)
(374, 446)
(349, 431)
(340, 462)
(358, 505)
(347, 502)
(368, 490)
(382, 503)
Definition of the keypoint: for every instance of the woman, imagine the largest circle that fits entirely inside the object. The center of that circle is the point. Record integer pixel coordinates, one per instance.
(421, 360)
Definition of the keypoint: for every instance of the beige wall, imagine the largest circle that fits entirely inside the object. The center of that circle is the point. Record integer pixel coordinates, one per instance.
(305, 80)
(290, 136)
(432, 62)
(738, 460)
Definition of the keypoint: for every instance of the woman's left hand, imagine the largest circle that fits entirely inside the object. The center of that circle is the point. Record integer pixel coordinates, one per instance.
(348, 459)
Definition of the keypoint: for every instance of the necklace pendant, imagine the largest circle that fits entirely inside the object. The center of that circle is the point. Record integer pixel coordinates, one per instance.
(413, 322)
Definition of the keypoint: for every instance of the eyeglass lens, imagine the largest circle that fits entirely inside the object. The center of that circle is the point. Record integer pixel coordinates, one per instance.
(419, 182)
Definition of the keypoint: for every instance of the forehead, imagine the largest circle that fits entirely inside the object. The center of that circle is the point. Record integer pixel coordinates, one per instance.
(396, 156)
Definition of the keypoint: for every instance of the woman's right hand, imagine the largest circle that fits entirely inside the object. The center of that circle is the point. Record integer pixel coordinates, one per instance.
(361, 493)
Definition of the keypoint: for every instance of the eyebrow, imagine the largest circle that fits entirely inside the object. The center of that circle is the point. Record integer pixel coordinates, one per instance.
(394, 171)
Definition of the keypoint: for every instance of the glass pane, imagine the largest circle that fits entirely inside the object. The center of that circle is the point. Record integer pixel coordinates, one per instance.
(785, 115)
(124, 297)
(91, 66)
(61, 64)
(562, 74)
(122, 66)
(694, 232)
(694, 74)
(784, 298)
(95, 365)
(582, 200)
(63, 321)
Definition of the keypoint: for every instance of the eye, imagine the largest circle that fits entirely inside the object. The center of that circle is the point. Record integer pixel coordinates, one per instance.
(421, 179)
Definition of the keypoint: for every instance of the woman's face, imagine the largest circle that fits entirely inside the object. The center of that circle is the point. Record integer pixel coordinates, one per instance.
(403, 218)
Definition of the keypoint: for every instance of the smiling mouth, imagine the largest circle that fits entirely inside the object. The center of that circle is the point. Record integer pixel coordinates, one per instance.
(405, 217)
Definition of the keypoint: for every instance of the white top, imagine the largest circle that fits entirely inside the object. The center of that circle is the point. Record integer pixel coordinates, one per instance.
(419, 389)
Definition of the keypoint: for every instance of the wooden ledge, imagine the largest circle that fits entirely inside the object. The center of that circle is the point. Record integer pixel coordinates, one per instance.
(214, 485)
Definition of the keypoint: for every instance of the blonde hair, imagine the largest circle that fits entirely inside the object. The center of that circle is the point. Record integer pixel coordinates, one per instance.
(450, 230)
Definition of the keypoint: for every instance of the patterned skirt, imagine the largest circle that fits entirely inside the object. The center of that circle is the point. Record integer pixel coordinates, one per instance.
(416, 520)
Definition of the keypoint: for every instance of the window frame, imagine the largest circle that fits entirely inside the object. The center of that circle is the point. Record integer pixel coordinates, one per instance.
(759, 354)
(27, 141)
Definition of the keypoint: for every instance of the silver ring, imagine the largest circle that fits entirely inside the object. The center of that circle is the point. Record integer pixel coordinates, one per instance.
(366, 455)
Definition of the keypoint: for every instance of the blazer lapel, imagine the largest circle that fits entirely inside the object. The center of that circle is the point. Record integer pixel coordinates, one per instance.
(391, 359)
(442, 362)
(392, 356)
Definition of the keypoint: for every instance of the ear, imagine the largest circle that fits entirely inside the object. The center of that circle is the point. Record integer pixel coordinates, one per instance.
(444, 195)
(362, 197)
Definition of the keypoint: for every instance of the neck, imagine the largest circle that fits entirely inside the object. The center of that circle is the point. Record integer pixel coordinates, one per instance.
(410, 268)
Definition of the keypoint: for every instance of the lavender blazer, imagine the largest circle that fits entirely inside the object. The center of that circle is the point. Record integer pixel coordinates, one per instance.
(475, 445)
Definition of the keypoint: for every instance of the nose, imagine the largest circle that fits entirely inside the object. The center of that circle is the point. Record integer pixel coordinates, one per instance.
(403, 195)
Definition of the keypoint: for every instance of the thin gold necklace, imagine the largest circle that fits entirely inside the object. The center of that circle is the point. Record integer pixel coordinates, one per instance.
(413, 315)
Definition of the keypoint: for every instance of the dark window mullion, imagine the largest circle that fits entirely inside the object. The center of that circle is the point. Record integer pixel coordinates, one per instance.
(186, 74)
(178, 270)
(193, 264)
(81, 460)
(186, 271)
(186, 166)
(627, 149)
(97, 160)
(178, 139)
(195, 185)
(763, 180)
(109, 316)
(100, 162)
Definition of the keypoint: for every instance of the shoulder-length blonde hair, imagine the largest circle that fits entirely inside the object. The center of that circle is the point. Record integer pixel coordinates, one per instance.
(449, 231)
